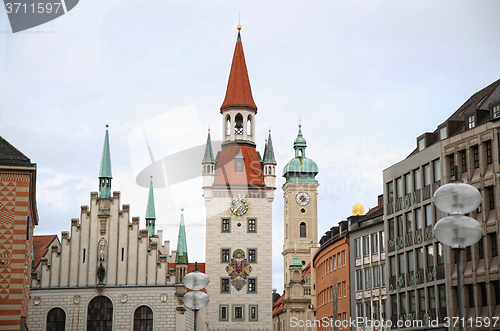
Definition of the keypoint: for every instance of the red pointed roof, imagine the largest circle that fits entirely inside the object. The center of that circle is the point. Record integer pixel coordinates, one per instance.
(225, 174)
(238, 93)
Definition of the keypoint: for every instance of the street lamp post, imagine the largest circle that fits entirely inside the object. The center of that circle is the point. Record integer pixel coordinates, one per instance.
(458, 231)
(195, 299)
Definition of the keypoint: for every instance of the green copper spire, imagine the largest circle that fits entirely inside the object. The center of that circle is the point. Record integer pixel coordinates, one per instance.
(209, 155)
(300, 169)
(295, 262)
(182, 254)
(105, 170)
(150, 211)
(269, 152)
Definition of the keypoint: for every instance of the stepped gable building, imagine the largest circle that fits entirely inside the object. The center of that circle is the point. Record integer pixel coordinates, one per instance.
(18, 217)
(332, 282)
(107, 273)
(368, 293)
(238, 187)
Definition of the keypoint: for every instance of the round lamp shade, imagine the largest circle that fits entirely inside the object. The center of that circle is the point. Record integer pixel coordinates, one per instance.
(195, 300)
(458, 231)
(457, 198)
(195, 280)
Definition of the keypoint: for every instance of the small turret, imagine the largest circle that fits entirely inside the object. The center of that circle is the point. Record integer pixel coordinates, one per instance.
(295, 270)
(269, 164)
(150, 211)
(181, 257)
(105, 170)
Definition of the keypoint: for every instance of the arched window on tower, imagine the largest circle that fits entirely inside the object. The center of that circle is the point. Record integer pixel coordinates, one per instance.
(302, 229)
(100, 314)
(238, 124)
(228, 125)
(249, 125)
(56, 320)
(143, 319)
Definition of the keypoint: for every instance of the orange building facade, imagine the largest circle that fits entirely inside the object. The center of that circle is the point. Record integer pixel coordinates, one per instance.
(331, 262)
(18, 216)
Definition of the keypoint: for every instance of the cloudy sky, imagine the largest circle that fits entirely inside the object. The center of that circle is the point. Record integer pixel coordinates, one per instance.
(367, 78)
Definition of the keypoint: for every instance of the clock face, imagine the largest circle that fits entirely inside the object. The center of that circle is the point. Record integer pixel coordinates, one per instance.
(302, 198)
(239, 207)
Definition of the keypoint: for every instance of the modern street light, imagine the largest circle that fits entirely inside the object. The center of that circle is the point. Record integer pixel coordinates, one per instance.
(195, 299)
(458, 230)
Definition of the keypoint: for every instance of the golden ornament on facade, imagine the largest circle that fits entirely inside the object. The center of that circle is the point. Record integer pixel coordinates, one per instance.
(357, 209)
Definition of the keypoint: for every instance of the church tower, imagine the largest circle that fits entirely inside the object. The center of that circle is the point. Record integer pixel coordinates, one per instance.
(238, 187)
(301, 207)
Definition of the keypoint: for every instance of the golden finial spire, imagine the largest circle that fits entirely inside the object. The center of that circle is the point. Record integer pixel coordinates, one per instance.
(239, 25)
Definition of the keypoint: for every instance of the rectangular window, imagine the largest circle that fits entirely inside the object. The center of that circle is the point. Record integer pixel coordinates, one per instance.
(394, 304)
(359, 280)
(399, 188)
(368, 278)
(253, 314)
(475, 150)
(340, 291)
(421, 299)
(343, 258)
(468, 253)
(252, 225)
(368, 310)
(432, 297)
(359, 310)
(437, 170)
(357, 248)
(427, 174)
(392, 265)
(401, 262)
(463, 155)
(491, 196)
(402, 302)
(451, 158)
(421, 144)
(411, 297)
(223, 316)
(416, 179)
(252, 255)
(496, 288)
(480, 245)
(493, 241)
(376, 310)
(338, 260)
(411, 261)
(335, 262)
(383, 274)
(470, 290)
(408, 183)
(224, 285)
(399, 221)
(252, 285)
(391, 228)
(84, 255)
(382, 242)
(409, 227)
(484, 299)
(374, 243)
(471, 121)
(442, 296)
(496, 111)
(238, 312)
(344, 287)
(440, 253)
(123, 253)
(430, 256)
(418, 218)
(489, 155)
(428, 215)
(443, 133)
(384, 309)
(376, 276)
(420, 258)
(226, 225)
(224, 255)
(390, 192)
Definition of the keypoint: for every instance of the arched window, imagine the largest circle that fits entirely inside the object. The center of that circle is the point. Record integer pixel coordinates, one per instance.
(302, 229)
(238, 124)
(56, 320)
(228, 125)
(143, 319)
(100, 314)
(249, 125)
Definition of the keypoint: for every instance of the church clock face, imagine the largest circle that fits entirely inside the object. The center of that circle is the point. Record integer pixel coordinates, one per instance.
(239, 207)
(302, 198)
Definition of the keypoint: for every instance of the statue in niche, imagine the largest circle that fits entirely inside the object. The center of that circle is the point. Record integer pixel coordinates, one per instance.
(102, 248)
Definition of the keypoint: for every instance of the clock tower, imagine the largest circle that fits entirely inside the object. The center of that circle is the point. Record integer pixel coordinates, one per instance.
(300, 193)
(238, 187)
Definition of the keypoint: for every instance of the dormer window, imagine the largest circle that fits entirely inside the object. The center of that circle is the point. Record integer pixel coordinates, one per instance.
(471, 121)
(421, 144)
(443, 133)
(496, 111)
